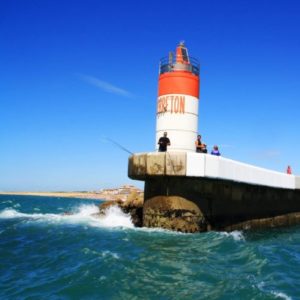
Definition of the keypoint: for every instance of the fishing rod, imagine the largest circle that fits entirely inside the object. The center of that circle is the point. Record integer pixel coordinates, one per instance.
(118, 145)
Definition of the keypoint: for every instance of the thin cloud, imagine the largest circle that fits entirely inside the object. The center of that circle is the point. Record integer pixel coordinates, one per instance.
(221, 145)
(105, 86)
(268, 154)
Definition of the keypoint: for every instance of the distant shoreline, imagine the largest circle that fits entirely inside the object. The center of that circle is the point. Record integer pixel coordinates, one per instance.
(83, 195)
(121, 193)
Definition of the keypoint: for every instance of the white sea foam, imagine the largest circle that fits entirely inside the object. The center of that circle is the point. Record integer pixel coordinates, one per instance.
(281, 295)
(236, 235)
(105, 253)
(114, 217)
(10, 213)
(8, 201)
(102, 278)
(109, 253)
(84, 214)
(161, 230)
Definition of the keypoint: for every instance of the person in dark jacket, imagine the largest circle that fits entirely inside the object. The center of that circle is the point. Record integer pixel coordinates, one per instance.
(163, 143)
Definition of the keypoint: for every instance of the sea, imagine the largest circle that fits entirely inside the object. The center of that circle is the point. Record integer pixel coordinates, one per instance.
(55, 248)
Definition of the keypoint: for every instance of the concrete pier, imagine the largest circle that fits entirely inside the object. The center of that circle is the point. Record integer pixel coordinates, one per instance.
(194, 192)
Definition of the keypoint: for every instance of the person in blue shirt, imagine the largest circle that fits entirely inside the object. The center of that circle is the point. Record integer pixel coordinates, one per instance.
(215, 151)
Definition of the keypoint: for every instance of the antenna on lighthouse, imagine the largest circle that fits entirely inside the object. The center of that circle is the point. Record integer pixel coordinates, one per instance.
(170, 58)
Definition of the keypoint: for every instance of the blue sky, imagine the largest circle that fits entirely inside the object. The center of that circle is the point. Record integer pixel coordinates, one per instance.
(75, 72)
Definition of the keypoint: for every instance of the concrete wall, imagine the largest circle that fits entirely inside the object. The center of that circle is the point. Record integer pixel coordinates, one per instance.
(223, 168)
(192, 164)
(222, 203)
(297, 178)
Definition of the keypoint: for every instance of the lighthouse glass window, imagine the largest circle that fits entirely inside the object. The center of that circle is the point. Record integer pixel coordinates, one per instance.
(184, 54)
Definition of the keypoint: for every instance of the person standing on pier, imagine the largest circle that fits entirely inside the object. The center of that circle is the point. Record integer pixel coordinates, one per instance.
(163, 143)
(200, 147)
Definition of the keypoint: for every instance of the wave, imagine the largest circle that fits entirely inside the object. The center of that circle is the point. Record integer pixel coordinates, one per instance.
(10, 213)
(236, 235)
(7, 202)
(161, 230)
(281, 295)
(103, 253)
(84, 214)
(278, 295)
(88, 214)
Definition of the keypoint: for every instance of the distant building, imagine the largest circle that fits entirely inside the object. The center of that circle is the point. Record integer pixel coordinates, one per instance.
(121, 193)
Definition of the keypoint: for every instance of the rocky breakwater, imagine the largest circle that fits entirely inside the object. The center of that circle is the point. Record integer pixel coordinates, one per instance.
(174, 213)
(133, 206)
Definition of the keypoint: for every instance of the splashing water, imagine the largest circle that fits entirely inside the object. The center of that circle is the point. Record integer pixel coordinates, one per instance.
(236, 235)
(114, 217)
(84, 214)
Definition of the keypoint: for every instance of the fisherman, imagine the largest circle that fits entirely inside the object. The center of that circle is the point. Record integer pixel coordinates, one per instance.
(163, 143)
(215, 151)
(200, 147)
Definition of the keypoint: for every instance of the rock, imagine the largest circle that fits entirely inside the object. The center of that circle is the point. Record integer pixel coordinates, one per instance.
(133, 205)
(105, 205)
(173, 213)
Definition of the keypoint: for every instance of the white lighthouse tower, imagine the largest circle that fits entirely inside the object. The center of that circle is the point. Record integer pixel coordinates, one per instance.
(178, 100)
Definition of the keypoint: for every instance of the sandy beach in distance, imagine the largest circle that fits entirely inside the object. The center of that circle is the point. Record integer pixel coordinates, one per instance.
(111, 194)
(86, 195)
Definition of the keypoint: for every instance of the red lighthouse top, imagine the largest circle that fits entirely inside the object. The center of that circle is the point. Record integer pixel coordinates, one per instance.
(180, 74)
(182, 62)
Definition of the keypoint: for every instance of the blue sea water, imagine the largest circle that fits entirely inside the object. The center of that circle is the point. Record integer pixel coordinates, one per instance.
(47, 254)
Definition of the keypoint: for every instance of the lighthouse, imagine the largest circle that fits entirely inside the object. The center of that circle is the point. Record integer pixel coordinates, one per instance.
(178, 99)
(194, 192)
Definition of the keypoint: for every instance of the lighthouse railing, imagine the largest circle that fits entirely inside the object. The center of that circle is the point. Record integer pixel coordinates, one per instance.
(170, 65)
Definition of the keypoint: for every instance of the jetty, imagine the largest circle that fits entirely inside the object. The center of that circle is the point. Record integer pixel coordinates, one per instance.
(195, 192)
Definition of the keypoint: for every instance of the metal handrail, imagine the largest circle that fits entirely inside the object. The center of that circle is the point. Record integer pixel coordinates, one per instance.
(169, 64)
